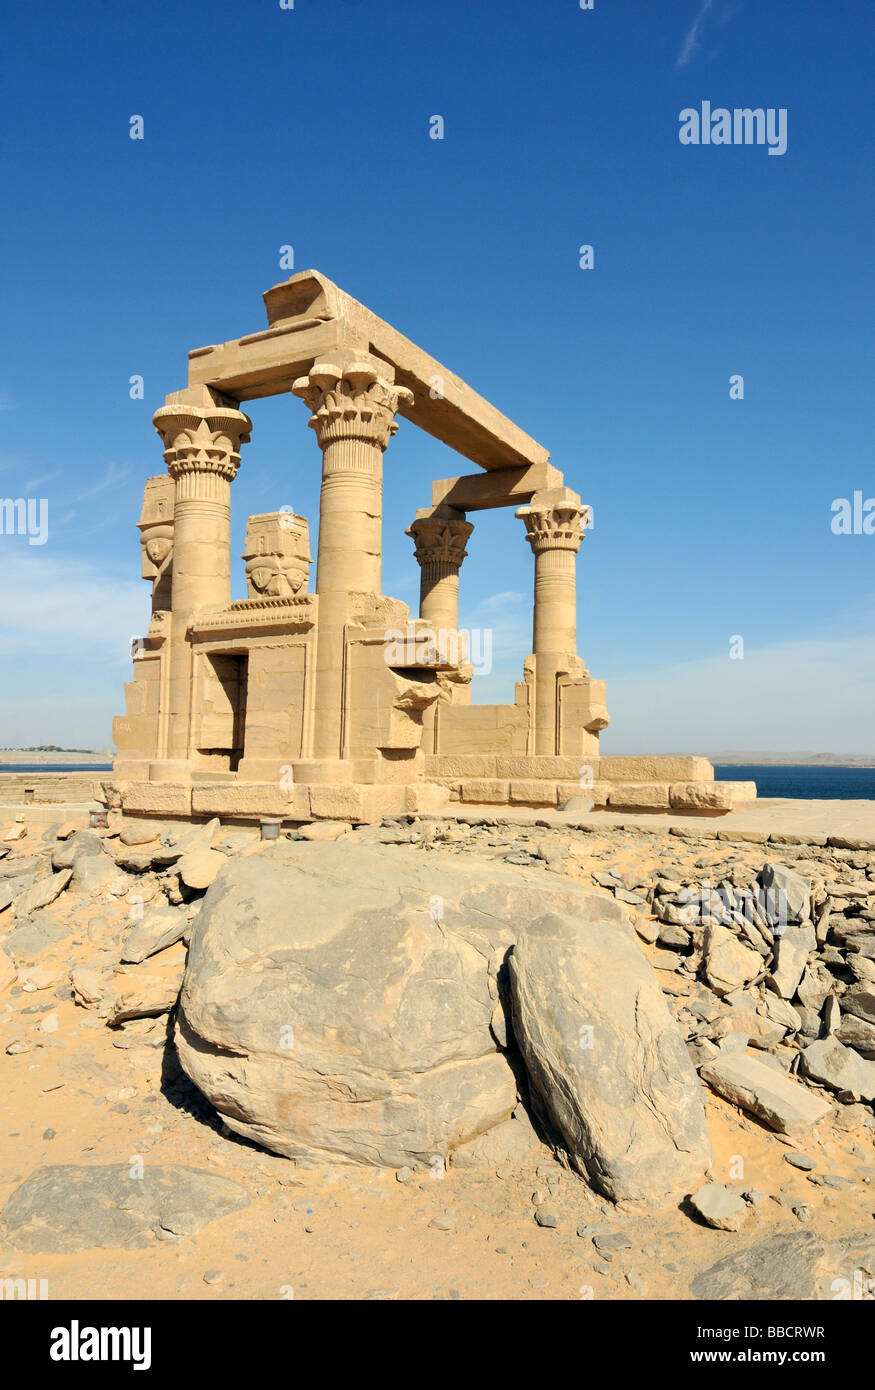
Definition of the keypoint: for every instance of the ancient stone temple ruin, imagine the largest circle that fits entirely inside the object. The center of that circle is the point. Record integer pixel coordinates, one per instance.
(312, 700)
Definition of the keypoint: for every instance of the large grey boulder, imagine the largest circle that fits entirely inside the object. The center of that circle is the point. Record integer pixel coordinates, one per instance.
(343, 1002)
(92, 874)
(605, 1056)
(337, 1002)
(85, 853)
(860, 1001)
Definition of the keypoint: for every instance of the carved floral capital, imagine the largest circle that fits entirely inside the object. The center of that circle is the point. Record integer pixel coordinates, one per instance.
(556, 527)
(439, 541)
(351, 403)
(202, 440)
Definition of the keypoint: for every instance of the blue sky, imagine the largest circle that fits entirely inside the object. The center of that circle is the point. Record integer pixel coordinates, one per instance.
(310, 127)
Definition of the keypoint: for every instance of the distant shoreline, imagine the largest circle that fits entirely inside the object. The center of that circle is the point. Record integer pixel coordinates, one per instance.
(792, 759)
(10, 756)
(762, 759)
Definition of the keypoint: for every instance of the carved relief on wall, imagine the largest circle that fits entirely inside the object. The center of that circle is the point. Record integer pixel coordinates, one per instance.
(156, 536)
(277, 555)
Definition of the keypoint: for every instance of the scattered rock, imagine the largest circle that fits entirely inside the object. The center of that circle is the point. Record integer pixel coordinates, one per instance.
(546, 1218)
(12, 888)
(88, 984)
(68, 1208)
(728, 965)
(199, 867)
(161, 927)
(792, 949)
(139, 832)
(782, 1104)
(781, 1267)
(838, 1067)
(720, 1207)
(800, 1161)
(610, 1243)
(135, 993)
(8, 973)
(41, 893)
(788, 894)
(324, 830)
(445, 1222)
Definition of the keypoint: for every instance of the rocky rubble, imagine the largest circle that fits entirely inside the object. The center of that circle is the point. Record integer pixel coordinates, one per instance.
(762, 959)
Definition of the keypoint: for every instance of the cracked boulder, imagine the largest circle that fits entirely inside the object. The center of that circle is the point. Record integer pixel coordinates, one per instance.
(343, 1002)
(606, 1057)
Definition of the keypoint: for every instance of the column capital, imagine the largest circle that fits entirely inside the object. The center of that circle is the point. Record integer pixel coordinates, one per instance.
(440, 540)
(555, 524)
(351, 402)
(202, 439)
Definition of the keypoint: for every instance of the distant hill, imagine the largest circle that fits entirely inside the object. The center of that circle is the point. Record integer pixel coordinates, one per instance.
(49, 754)
(794, 759)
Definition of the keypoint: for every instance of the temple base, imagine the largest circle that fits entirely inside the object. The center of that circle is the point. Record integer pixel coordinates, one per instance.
(618, 783)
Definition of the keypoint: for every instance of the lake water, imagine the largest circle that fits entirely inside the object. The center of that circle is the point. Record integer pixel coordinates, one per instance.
(802, 782)
(55, 767)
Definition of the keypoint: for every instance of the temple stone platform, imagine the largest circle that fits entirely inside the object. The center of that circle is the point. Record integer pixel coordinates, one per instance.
(680, 784)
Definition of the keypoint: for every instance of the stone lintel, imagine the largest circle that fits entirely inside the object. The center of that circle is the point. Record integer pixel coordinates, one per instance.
(311, 319)
(501, 487)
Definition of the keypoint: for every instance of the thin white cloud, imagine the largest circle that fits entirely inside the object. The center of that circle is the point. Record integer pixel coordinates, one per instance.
(113, 475)
(501, 637)
(691, 41)
(63, 608)
(65, 633)
(502, 600)
(32, 484)
(817, 694)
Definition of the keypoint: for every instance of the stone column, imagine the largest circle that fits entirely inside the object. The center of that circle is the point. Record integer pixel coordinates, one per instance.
(202, 440)
(554, 530)
(440, 549)
(353, 416)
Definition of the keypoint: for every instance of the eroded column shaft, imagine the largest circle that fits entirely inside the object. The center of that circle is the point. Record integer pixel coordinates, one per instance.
(440, 549)
(353, 416)
(202, 453)
(554, 530)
